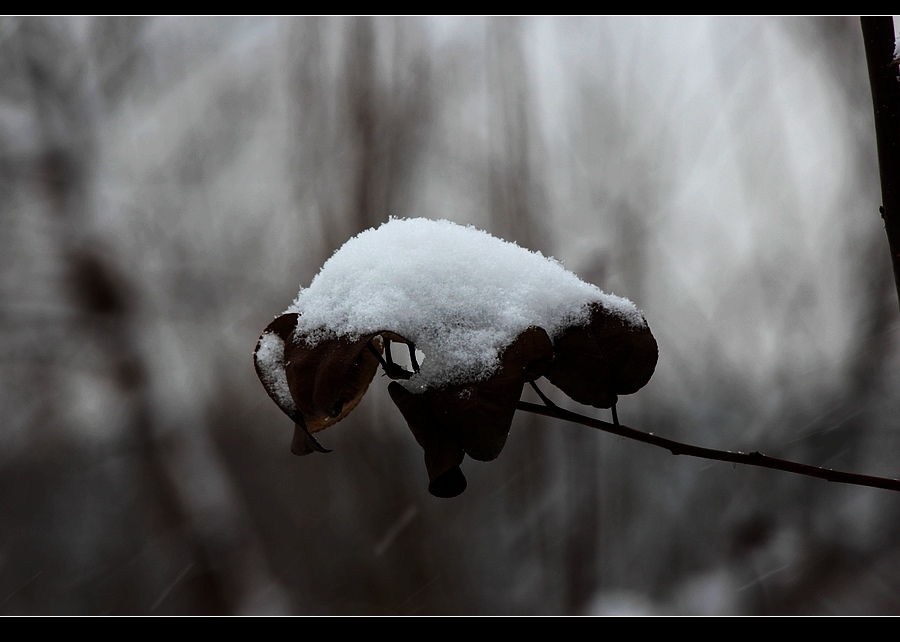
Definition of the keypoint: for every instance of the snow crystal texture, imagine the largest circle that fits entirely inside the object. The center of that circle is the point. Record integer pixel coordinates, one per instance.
(460, 294)
(269, 359)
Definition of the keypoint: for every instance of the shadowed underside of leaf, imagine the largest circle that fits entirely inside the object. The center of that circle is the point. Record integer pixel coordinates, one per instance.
(472, 418)
(443, 448)
(328, 380)
(318, 385)
(596, 362)
(324, 382)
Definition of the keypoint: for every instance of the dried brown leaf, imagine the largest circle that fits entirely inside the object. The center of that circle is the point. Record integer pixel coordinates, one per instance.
(318, 385)
(596, 362)
(471, 418)
(315, 386)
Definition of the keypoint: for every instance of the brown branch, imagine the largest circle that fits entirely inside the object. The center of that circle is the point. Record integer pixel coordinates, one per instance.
(878, 36)
(678, 448)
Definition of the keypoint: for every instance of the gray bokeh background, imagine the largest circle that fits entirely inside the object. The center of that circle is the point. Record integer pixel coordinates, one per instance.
(168, 184)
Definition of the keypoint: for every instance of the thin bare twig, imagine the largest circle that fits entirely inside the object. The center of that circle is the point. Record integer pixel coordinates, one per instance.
(679, 448)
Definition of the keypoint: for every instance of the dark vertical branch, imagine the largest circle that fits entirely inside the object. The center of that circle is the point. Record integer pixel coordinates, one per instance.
(878, 35)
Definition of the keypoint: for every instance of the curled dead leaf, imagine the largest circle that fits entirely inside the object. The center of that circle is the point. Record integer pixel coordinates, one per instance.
(471, 418)
(318, 385)
(607, 357)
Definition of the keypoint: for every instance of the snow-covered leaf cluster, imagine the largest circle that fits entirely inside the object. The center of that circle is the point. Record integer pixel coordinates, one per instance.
(487, 315)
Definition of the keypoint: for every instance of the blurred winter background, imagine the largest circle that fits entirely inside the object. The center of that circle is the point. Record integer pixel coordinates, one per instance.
(168, 184)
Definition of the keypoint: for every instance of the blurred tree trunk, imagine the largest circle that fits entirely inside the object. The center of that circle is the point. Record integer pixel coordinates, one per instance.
(518, 209)
(176, 462)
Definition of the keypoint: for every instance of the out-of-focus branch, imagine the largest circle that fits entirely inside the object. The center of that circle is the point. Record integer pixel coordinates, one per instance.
(178, 463)
(679, 448)
(878, 36)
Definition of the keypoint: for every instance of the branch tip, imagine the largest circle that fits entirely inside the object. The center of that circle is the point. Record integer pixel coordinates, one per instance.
(679, 448)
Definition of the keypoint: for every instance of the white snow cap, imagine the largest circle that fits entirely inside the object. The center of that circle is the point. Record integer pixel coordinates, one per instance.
(460, 294)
